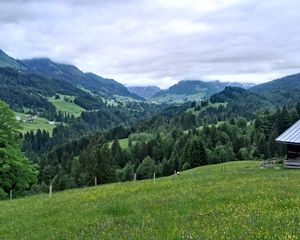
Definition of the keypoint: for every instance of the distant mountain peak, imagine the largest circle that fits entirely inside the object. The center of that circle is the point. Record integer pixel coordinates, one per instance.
(192, 90)
(145, 92)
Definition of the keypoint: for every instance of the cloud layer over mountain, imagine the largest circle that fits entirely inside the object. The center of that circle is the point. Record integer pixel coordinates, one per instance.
(158, 42)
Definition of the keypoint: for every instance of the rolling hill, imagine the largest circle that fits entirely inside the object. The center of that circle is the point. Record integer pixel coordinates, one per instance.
(241, 101)
(236, 94)
(236, 200)
(146, 92)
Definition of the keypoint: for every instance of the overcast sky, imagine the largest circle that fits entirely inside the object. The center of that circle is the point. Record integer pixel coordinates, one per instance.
(158, 42)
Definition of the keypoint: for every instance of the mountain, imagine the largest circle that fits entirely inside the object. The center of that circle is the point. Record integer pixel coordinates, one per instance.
(7, 61)
(190, 90)
(23, 90)
(281, 91)
(70, 73)
(146, 92)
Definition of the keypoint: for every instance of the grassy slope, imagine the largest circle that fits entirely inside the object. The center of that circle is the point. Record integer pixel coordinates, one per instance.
(235, 200)
(64, 106)
(39, 123)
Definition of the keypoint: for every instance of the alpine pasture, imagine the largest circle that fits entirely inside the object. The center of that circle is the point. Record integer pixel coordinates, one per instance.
(235, 200)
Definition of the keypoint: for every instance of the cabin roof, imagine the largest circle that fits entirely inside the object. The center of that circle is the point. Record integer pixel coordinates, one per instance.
(291, 135)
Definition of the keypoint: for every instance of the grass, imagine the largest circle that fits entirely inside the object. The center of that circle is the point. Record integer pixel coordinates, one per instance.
(123, 143)
(236, 200)
(135, 137)
(66, 106)
(39, 123)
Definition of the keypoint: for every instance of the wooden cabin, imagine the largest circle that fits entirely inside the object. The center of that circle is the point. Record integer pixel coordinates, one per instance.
(291, 137)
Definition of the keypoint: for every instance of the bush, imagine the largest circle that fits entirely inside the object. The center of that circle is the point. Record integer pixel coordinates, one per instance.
(126, 174)
(3, 195)
(186, 166)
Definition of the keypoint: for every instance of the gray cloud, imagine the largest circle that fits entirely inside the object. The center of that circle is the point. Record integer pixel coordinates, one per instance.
(158, 42)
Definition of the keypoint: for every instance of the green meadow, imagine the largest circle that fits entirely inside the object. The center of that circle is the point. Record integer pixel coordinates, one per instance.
(123, 143)
(66, 104)
(235, 200)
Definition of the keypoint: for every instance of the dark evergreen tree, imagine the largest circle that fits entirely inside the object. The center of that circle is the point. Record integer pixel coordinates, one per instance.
(195, 153)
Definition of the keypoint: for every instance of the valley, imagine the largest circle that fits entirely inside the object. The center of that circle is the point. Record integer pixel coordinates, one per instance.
(75, 133)
(149, 120)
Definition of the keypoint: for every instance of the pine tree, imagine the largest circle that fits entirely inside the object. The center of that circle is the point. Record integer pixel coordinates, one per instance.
(117, 154)
(105, 166)
(195, 153)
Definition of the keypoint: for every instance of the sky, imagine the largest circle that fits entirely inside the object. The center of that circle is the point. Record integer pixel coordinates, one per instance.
(158, 42)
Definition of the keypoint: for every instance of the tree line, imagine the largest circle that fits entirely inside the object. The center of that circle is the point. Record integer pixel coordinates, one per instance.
(100, 155)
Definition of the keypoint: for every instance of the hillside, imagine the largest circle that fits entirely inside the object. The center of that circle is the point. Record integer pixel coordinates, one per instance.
(21, 90)
(27, 90)
(238, 95)
(38, 123)
(281, 91)
(144, 92)
(65, 104)
(235, 200)
(70, 73)
(192, 90)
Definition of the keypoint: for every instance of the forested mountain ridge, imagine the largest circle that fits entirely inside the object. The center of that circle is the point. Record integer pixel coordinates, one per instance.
(7, 61)
(106, 87)
(239, 95)
(241, 101)
(281, 91)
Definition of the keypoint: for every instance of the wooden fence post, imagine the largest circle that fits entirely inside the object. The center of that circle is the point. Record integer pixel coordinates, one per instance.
(153, 176)
(134, 177)
(10, 195)
(95, 181)
(50, 190)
